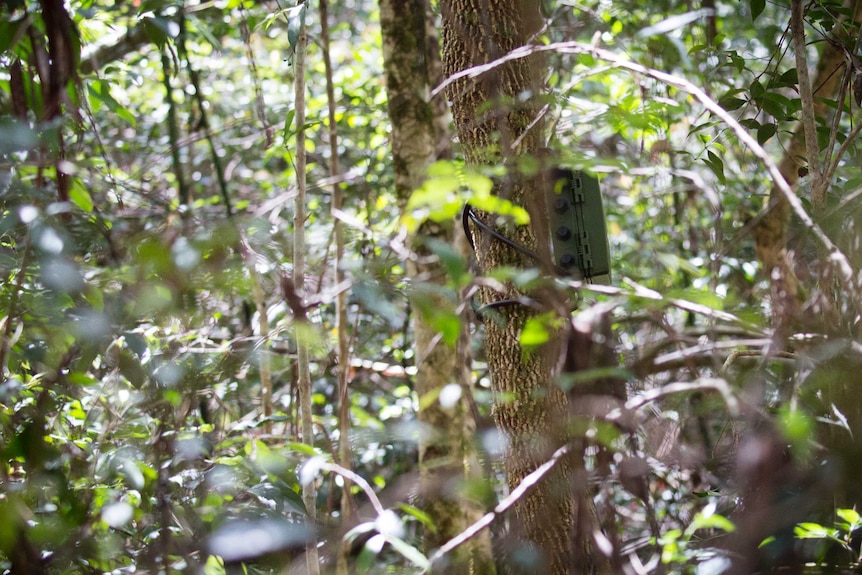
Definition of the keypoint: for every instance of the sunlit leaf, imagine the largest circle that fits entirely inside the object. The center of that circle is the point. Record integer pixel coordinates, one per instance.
(214, 566)
(797, 427)
(812, 531)
(448, 187)
(79, 196)
(410, 553)
(713, 521)
(851, 516)
(419, 515)
(537, 331)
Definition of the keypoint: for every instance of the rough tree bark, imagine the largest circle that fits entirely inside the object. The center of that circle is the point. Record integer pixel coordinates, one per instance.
(445, 453)
(498, 122)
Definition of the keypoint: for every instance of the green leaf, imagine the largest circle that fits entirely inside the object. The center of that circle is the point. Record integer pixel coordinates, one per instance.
(757, 89)
(777, 105)
(288, 122)
(797, 427)
(537, 331)
(419, 515)
(448, 324)
(788, 79)
(9, 33)
(765, 132)
(205, 31)
(851, 516)
(673, 263)
(160, 30)
(702, 297)
(131, 368)
(731, 104)
(293, 500)
(300, 447)
(812, 531)
(452, 260)
(448, 187)
(295, 22)
(369, 553)
(409, 552)
(79, 196)
(500, 206)
(712, 521)
(757, 7)
(100, 91)
(716, 165)
(289, 133)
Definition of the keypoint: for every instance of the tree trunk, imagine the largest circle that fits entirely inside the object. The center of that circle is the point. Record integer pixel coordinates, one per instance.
(529, 409)
(445, 448)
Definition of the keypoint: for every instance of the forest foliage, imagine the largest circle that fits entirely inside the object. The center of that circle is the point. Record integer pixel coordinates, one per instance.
(150, 325)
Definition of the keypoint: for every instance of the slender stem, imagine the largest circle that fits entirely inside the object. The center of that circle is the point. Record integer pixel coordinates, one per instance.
(174, 135)
(809, 122)
(194, 76)
(164, 449)
(309, 490)
(259, 105)
(343, 351)
(264, 360)
(12, 311)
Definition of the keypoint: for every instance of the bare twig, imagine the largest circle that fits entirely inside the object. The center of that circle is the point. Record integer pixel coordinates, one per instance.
(520, 491)
(703, 384)
(358, 480)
